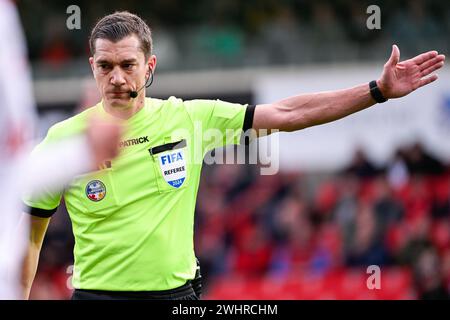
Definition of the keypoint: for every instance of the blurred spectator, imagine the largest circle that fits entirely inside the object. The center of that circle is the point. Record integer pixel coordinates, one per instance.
(417, 198)
(357, 24)
(252, 252)
(418, 239)
(347, 207)
(428, 276)
(361, 166)
(327, 32)
(445, 269)
(328, 253)
(387, 209)
(55, 52)
(441, 203)
(285, 36)
(421, 162)
(57, 49)
(367, 247)
(218, 39)
(287, 218)
(397, 170)
(415, 27)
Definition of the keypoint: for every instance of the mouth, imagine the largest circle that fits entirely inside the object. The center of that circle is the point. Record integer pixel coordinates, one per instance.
(118, 93)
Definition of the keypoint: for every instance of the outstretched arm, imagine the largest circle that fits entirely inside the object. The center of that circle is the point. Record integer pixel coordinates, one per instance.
(397, 80)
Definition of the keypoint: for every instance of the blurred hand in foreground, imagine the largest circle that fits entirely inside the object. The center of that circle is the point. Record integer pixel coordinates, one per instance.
(103, 136)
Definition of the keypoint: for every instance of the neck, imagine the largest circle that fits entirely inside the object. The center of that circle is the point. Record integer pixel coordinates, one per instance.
(127, 111)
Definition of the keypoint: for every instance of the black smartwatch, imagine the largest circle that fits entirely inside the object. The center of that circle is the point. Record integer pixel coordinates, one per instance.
(376, 92)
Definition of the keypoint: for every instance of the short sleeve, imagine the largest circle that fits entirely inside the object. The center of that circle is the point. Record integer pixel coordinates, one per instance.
(44, 202)
(222, 123)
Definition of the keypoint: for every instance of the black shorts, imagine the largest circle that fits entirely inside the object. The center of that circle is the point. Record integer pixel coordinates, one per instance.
(185, 292)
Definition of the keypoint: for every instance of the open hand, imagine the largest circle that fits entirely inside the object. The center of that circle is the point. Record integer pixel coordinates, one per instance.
(401, 78)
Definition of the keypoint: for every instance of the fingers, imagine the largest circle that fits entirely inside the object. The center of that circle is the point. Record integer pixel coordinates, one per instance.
(431, 69)
(421, 58)
(395, 56)
(428, 80)
(427, 64)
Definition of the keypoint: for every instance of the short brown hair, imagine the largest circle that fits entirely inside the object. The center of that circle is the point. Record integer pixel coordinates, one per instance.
(121, 24)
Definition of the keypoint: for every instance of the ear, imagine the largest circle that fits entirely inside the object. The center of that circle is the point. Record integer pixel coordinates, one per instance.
(91, 62)
(151, 63)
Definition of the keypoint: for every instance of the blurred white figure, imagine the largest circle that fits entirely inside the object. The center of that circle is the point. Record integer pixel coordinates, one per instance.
(20, 173)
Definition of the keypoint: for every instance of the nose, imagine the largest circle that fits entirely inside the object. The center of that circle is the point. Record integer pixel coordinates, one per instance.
(117, 78)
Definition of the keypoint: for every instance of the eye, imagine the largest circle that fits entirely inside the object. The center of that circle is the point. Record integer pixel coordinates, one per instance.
(104, 66)
(127, 66)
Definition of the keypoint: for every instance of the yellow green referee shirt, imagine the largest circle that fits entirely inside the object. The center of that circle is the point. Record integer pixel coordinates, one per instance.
(133, 219)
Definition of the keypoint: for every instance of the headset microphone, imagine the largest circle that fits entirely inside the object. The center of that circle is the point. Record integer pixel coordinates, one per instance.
(134, 93)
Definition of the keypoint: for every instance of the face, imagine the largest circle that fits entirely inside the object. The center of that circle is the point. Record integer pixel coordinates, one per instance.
(120, 67)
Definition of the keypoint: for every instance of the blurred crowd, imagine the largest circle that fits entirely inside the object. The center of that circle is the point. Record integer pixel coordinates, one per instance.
(226, 33)
(398, 215)
(256, 227)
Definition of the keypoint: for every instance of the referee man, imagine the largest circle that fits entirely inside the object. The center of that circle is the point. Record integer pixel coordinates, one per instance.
(133, 218)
